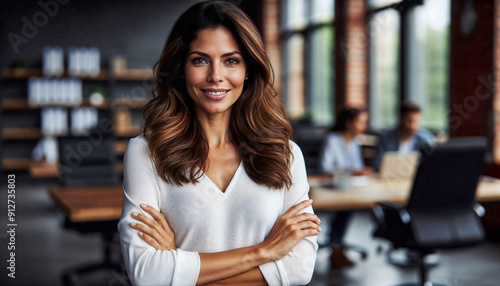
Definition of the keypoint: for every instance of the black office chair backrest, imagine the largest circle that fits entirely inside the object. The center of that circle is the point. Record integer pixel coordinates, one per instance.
(447, 176)
(311, 150)
(88, 160)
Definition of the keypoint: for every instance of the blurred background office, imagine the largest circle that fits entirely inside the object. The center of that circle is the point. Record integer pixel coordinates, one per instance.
(82, 69)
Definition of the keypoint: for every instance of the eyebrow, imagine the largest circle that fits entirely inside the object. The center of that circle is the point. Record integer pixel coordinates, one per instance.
(223, 55)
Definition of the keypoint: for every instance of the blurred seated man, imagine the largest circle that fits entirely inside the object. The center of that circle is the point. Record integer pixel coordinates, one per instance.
(405, 138)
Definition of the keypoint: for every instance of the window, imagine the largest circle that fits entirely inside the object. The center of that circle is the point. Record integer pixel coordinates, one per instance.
(384, 91)
(308, 70)
(294, 75)
(424, 45)
(428, 58)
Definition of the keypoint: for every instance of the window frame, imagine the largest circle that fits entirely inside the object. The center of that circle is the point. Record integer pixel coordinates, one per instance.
(403, 9)
(306, 32)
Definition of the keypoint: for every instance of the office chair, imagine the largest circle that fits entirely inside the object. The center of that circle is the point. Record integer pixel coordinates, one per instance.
(311, 148)
(89, 161)
(441, 212)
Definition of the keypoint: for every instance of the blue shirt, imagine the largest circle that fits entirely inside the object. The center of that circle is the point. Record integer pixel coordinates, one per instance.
(390, 141)
(339, 154)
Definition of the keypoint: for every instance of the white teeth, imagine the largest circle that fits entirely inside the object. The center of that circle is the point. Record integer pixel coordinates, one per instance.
(216, 92)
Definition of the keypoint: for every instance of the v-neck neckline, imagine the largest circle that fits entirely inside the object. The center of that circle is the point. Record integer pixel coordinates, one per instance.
(231, 183)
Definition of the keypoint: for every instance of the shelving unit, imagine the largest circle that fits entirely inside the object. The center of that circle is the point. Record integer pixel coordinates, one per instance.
(42, 169)
(133, 74)
(120, 147)
(45, 170)
(21, 133)
(21, 103)
(16, 163)
(25, 73)
(125, 75)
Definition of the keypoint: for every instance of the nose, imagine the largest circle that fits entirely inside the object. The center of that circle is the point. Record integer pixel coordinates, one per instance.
(414, 125)
(215, 74)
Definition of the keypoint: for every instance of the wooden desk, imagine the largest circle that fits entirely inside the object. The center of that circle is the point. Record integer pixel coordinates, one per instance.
(89, 203)
(376, 190)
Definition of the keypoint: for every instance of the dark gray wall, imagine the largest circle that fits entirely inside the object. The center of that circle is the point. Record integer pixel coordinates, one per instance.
(135, 29)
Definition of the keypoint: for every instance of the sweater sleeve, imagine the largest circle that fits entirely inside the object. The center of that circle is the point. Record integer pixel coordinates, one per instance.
(297, 267)
(145, 265)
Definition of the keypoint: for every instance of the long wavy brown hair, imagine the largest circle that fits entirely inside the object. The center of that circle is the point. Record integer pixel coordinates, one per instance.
(258, 125)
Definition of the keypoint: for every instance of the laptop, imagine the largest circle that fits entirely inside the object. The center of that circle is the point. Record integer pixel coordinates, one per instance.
(396, 166)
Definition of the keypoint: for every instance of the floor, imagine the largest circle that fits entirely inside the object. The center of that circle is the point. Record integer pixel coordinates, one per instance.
(44, 249)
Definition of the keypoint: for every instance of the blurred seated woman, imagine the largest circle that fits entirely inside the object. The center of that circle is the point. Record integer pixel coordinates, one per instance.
(215, 191)
(341, 153)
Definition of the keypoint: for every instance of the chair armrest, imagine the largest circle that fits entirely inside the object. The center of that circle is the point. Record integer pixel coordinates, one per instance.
(479, 209)
(399, 209)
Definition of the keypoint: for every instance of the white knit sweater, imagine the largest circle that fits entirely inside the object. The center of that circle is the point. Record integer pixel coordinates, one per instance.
(204, 219)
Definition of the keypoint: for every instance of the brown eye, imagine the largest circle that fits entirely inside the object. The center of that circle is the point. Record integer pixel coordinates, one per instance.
(199, 61)
(232, 62)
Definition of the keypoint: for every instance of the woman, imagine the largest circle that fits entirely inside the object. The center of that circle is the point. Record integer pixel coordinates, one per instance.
(214, 190)
(341, 152)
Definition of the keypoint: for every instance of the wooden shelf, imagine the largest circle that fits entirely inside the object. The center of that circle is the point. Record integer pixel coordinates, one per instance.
(119, 167)
(132, 131)
(131, 103)
(44, 170)
(15, 164)
(133, 74)
(21, 73)
(24, 73)
(129, 74)
(21, 133)
(120, 146)
(21, 103)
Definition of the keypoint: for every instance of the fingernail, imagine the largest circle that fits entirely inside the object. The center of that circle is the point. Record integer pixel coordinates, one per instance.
(310, 200)
(320, 229)
(319, 220)
(132, 224)
(140, 233)
(135, 214)
(144, 205)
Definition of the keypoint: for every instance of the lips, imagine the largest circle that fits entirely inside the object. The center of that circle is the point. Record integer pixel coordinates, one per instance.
(215, 94)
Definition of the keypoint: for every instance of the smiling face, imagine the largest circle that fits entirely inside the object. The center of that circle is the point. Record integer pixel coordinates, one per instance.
(359, 124)
(410, 123)
(215, 71)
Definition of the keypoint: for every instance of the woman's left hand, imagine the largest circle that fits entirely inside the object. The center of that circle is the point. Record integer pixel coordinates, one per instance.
(156, 232)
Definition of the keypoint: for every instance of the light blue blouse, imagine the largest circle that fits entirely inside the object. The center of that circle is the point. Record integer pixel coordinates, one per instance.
(338, 154)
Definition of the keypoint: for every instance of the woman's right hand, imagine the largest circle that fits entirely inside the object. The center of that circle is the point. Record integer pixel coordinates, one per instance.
(289, 229)
(155, 232)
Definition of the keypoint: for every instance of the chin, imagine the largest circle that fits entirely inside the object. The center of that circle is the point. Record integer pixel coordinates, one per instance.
(214, 109)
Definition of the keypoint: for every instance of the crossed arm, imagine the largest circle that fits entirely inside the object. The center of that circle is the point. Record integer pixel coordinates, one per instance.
(238, 266)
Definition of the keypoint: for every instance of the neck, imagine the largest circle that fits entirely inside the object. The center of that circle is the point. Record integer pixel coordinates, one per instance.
(404, 136)
(216, 127)
(348, 136)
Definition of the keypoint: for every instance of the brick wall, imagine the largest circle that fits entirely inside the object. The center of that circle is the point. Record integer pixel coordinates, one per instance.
(351, 49)
(471, 68)
(271, 37)
(496, 100)
(474, 82)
